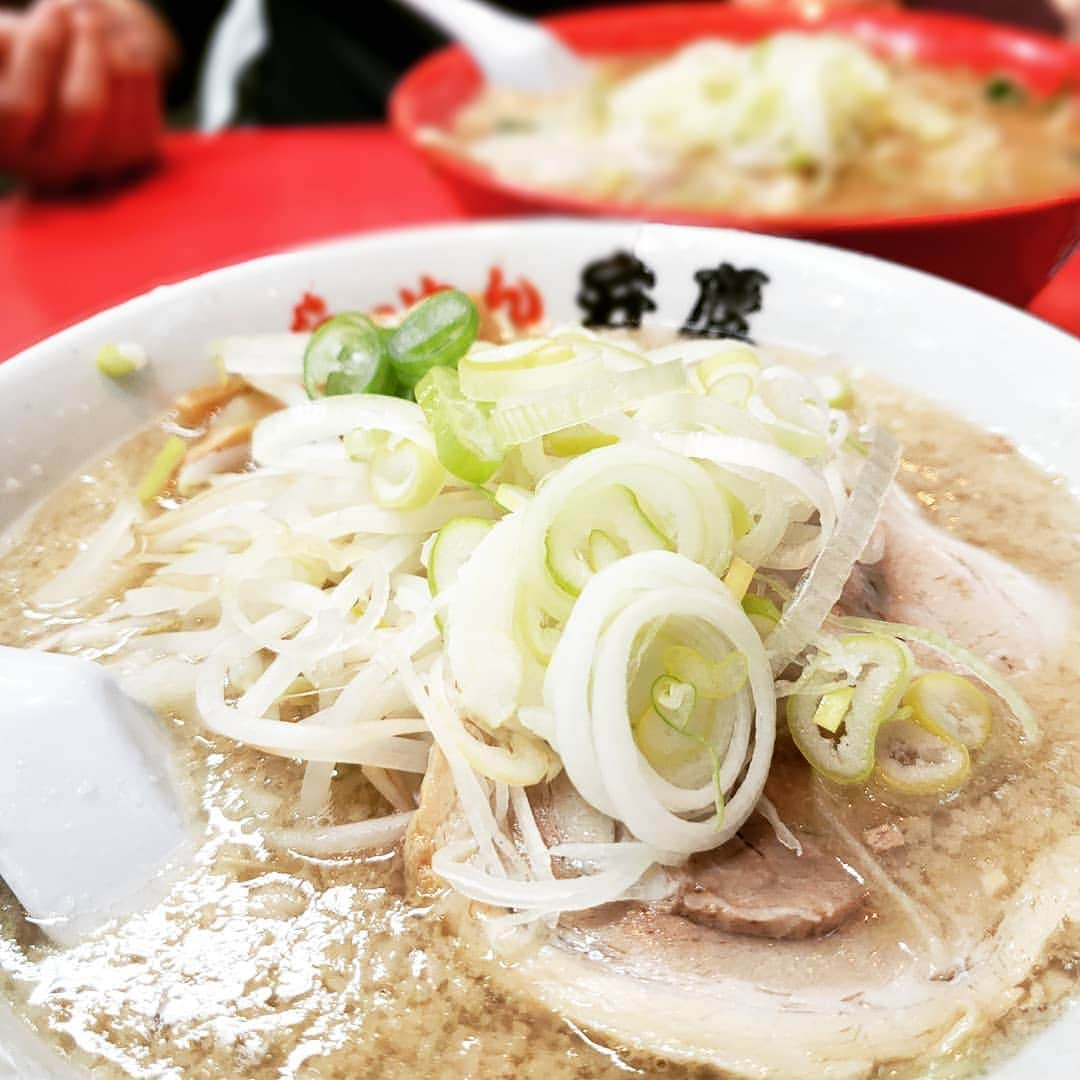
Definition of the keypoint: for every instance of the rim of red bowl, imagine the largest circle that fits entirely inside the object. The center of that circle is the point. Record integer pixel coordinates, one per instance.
(1041, 62)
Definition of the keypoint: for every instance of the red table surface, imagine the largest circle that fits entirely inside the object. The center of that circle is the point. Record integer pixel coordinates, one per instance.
(220, 199)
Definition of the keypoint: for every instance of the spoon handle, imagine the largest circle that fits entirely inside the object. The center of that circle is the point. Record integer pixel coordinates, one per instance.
(465, 20)
(510, 51)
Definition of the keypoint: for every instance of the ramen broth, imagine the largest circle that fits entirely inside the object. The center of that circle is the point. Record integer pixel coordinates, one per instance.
(263, 963)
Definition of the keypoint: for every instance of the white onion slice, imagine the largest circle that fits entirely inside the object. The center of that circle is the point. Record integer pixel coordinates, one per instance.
(586, 690)
(610, 391)
(310, 433)
(821, 586)
(484, 658)
(621, 870)
(733, 452)
(354, 838)
(91, 569)
(677, 495)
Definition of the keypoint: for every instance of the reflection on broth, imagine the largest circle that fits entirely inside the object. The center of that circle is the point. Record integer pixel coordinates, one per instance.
(927, 925)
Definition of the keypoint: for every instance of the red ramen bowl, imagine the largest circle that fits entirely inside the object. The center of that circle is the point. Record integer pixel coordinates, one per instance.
(1009, 250)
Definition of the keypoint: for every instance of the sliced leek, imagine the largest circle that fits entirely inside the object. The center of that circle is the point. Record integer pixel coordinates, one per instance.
(592, 531)
(454, 544)
(117, 359)
(710, 678)
(950, 706)
(674, 701)
(912, 759)
(579, 439)
(737, 579)
(833, 708)
(763, 613)
(881, 669)
(619, 620)
(162, 469)
(974, 663)
(605, 394)
(524, 367)
(403, 475)
(466, 443)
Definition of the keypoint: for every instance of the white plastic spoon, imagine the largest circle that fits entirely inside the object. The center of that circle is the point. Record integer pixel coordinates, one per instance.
(90, 819)
(510, 51)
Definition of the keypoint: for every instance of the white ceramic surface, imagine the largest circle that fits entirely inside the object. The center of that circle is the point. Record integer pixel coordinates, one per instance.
(90, 818)
(988, 362)
(512, 52)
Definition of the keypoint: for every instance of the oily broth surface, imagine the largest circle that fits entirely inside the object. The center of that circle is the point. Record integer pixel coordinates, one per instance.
(980, 843)
(261, 963)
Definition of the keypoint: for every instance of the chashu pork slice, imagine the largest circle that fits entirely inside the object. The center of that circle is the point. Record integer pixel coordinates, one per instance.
(755, 885)
(751, 885)
(646, 979)
(930, 578)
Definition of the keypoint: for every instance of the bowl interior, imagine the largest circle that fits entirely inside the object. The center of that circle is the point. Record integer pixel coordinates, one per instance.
(988, 362)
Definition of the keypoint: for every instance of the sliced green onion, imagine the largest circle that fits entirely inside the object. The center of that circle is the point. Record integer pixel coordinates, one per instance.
(761, 607)
(674, 701)
(454, 544)
(803, 444)
(404, 476)
(436, 333)
(527, 367)
(666, 735)
(664, 744)
(361, 443)
(535, 628)
(916, 761)
(1002, 88)
(884, 669)
(579, 439)
(162, 468)
(739, 364)
(974, 663)
(738, 577)
(713, 679)
(346, 356)
(951, 707)
(117, 359)
(312, 570)
(734, 388)
(464, 439)
(606, 523)
(603, 549)
(605, 394)
(517, 758)
(512, 496)
(856, 446)
(819, 590)
(525, 354)
(836, 389)
(833, 707)
(741, 521)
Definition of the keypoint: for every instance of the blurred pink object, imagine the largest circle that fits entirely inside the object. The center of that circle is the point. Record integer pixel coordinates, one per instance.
(1070, 12)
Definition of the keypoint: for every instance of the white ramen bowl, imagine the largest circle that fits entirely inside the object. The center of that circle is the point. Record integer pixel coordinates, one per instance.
(988, 362)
